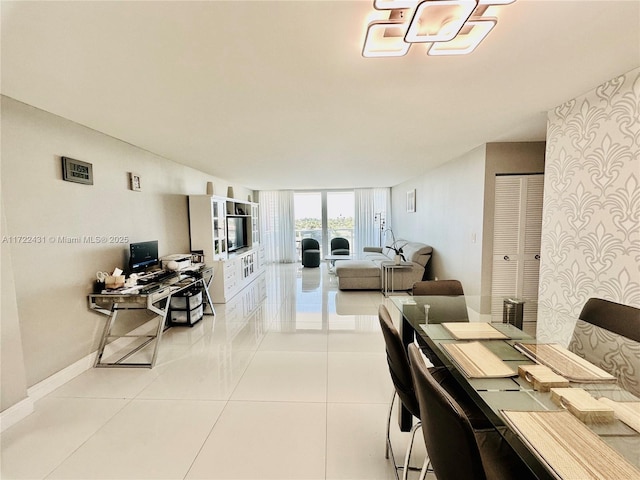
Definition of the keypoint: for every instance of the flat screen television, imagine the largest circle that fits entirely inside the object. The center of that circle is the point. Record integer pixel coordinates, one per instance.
(236, 233)
(143, 255)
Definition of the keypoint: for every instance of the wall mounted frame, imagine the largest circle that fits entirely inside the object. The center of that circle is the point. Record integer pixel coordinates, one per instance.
(77, 171)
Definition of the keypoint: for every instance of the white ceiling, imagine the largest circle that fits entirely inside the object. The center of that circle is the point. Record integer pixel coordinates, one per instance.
(275, 94)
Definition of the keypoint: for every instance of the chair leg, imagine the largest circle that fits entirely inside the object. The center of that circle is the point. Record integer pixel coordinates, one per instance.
(388, 446)
(407, 456)
(425, 468)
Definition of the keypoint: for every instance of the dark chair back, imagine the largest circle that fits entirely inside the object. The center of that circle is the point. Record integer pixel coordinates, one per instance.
(310, 252)
(339, 246)
(604, 332)
(309, 244)
(438, 287)
(448, 434)
(615, 317)
(398, 362)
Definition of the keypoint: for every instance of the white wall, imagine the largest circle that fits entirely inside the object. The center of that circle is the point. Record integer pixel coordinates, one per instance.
(14, 382)
(52, 279)
(449, 212)
(591, 220)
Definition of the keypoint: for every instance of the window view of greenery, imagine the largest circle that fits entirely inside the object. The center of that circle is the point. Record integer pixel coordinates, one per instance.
(308, 216)
(333, 224)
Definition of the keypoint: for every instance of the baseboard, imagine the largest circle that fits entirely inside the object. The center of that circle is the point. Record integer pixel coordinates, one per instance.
(49, 384)
(15, 413)
(24, 408)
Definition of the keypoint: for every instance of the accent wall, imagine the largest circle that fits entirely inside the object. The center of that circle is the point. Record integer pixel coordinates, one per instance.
(591, 219)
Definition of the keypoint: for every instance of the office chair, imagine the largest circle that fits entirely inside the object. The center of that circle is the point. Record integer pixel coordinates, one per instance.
(310, 252)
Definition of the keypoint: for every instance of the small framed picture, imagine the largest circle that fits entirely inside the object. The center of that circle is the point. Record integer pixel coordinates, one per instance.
(134, 182)
(411, 201)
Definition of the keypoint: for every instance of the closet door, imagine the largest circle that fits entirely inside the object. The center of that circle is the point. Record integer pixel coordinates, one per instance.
(516, 244)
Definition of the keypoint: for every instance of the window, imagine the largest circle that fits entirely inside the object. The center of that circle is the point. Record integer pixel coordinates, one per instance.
(324, 215)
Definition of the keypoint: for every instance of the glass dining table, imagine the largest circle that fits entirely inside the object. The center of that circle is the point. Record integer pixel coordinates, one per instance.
(434, 322)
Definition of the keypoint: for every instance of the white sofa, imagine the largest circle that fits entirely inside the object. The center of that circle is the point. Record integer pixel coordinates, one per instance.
(366, 272)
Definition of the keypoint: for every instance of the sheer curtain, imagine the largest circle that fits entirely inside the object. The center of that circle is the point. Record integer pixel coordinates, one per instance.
(277, 221)
(373, 205)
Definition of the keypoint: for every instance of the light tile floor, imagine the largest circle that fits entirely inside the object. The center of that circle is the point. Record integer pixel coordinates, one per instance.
(290, 383)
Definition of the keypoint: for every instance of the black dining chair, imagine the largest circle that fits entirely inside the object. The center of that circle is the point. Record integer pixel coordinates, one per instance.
(402, 383)
(310, 252)
(457, 448)
(437, 287)
(603, 332)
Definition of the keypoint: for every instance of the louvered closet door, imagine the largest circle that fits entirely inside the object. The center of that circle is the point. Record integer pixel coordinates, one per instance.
(516, 243)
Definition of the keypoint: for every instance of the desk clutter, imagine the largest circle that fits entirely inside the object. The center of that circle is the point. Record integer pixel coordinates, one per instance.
(186, 306)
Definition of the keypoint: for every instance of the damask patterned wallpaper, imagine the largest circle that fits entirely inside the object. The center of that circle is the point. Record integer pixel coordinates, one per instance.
(591, 218)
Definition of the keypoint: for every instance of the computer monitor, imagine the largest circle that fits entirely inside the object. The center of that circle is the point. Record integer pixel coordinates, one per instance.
(143, 255)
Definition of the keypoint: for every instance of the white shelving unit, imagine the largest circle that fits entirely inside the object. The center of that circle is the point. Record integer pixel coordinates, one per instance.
(233, 271)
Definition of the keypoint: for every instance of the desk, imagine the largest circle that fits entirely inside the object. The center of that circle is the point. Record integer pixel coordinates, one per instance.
(493, 395)
(154, 298)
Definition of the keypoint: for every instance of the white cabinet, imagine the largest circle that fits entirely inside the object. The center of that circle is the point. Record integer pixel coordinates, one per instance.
(212, 222)
(207, 226)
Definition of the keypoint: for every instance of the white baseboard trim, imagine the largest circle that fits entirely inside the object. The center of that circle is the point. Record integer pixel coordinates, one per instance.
(49, 384)
(15, 413)
(24, 408)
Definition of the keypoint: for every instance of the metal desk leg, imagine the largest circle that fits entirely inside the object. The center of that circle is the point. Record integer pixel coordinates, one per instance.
(106, 332)
(206, 291)
(162, 320)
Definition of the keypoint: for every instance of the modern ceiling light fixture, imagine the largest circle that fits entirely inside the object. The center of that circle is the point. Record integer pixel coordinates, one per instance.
(446, 27)
(439, 20)
(467, 40)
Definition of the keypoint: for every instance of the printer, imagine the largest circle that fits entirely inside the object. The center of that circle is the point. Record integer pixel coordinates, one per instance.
(176, 262)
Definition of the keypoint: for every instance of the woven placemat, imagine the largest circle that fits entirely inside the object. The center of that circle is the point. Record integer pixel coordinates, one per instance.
(477, 361)
(627, 412)
(565, 363)
(570, 449)
(473, 331)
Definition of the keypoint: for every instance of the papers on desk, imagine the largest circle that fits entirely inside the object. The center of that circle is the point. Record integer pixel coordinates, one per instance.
(473, 331)
(477, 361)
(565, 363)
(570, 449)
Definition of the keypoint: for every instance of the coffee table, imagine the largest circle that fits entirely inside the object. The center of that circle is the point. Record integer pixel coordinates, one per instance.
(333, 258)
